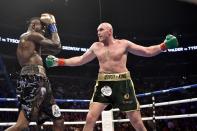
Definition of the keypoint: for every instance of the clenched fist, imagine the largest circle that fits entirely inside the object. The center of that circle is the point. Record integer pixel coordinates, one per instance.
(52, 61)
(47, 18)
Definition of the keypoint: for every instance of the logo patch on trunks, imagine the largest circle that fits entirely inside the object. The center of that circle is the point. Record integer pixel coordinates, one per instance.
(106, 90)
(126, 96)
(43, 91)
(56, 111)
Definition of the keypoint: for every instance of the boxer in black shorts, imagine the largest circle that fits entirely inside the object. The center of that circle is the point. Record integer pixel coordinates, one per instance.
(35, 95)
(36, 102)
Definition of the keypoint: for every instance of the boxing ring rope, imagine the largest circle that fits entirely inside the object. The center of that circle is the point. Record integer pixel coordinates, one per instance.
(119, 120)
(139, 95)
(116, 109)
(122, 120)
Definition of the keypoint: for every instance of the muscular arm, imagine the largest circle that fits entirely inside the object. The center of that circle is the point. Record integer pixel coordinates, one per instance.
(49, 46)
(144, 51)
(89, 55)
(80, 60)
(52, 45)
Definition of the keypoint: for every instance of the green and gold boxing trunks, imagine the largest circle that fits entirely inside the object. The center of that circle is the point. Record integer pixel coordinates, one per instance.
(116, 90)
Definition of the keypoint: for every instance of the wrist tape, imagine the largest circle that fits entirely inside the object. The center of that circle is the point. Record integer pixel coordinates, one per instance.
(52, 28)
(61, 62)
(163, 47)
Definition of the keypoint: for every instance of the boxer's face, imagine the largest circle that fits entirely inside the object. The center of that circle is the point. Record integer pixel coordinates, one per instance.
(103, 32)
(36, 25)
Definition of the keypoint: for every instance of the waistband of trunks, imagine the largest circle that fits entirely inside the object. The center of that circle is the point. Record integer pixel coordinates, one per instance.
(33, 70)
(114, 76)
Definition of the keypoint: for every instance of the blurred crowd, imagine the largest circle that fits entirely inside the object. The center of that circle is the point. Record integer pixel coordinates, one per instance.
(81, 88)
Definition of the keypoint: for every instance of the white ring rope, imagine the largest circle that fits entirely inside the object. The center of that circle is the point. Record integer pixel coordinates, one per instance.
(121, 120)
(62, 110)
(166, 103)
(48, 123)
(142, 106)
(161, 117)
(170, 102)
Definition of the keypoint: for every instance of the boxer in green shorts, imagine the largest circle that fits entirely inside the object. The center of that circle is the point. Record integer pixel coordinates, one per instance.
(116, 90)
(114, 86)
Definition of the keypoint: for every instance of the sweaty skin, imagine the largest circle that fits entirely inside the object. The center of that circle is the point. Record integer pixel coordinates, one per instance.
(112, 57)
(112, 53)
(33, 43)
(28, 52)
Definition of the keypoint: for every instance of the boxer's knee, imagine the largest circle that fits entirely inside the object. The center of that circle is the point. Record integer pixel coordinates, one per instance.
(59, 123)
(90, 118)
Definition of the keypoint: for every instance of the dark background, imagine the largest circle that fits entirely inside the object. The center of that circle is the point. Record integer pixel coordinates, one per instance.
(145, 22)
(140, 21)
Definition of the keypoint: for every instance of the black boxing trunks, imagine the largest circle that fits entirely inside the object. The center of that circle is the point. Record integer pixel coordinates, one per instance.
(116, 90)
(35, 95)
